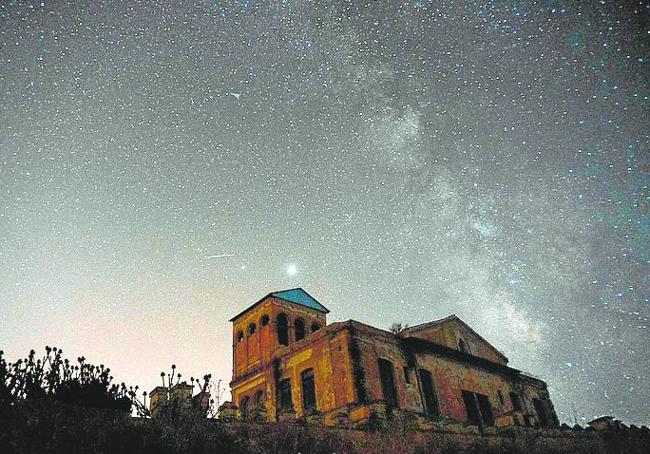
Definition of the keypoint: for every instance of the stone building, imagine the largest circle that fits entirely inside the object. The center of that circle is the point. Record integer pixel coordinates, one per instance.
(177, 401)
(290, 364)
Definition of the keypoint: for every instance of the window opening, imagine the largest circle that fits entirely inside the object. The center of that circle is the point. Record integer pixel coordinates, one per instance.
(516, 402)
(429, 393)
(478, 408)
(542, 416)
(284, 395)
(299, 326)
(258, 400)
(387, 382)
(283, 329)
(243, 407)
(308, 391)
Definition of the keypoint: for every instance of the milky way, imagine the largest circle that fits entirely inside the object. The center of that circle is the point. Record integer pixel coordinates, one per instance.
(165, 164)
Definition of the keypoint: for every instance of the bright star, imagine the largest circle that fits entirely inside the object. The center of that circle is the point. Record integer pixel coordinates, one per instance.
(291, 269)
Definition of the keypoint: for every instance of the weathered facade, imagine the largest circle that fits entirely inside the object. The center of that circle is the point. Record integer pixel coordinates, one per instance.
(177, 401)
(289, 363)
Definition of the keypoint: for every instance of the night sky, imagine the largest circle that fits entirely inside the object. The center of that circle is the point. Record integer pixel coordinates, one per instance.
(163, 165)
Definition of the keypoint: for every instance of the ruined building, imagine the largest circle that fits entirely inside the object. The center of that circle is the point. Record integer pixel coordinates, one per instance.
(177, 401)
(290, 364)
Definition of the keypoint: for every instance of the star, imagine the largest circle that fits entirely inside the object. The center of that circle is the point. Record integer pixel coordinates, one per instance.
(291, 269)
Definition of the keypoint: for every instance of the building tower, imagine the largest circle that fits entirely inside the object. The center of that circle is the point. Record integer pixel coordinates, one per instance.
(265, 331)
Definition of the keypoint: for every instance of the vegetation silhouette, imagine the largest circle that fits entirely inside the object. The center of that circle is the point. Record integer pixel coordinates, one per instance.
(56, 378)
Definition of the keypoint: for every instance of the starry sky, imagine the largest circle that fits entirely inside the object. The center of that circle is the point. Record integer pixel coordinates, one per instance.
(165, 164)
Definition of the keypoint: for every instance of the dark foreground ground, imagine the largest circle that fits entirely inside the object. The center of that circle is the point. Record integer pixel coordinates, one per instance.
(62, 428)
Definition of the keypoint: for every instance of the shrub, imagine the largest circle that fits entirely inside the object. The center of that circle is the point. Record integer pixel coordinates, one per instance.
(56, 378)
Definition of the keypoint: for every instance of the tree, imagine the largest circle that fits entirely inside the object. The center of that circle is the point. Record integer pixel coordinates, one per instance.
(397, 328)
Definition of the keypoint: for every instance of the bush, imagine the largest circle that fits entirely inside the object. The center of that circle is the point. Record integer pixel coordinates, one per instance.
(55, 378)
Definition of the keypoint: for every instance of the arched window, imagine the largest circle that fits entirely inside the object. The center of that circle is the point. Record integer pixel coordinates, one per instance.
(258, 400)
(308, 391)
(461, 346)
(264, 320)
(283, 329)
(315, 327)
(251, 328)
(243, 407)
(240, 336)
(299, 326)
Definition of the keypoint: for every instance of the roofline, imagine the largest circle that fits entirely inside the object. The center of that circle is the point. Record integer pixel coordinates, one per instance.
(378, 331)
(455, 317)
(442, 349)
(602, 418)
(431, 323)
(268, 295)
(326, 311)
(250, 307)
(417, 342)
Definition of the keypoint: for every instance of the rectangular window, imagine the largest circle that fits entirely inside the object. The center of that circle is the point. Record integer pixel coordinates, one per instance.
(516, 402)
(308, 391)
(284, 395)
(486, 409)
(478, 409)
(387, 382)
(471, 408)
(540, 409)
(428, 394)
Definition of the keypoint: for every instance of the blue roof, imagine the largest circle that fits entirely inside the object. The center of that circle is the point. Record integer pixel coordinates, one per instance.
(299, 296)
(294, 295)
